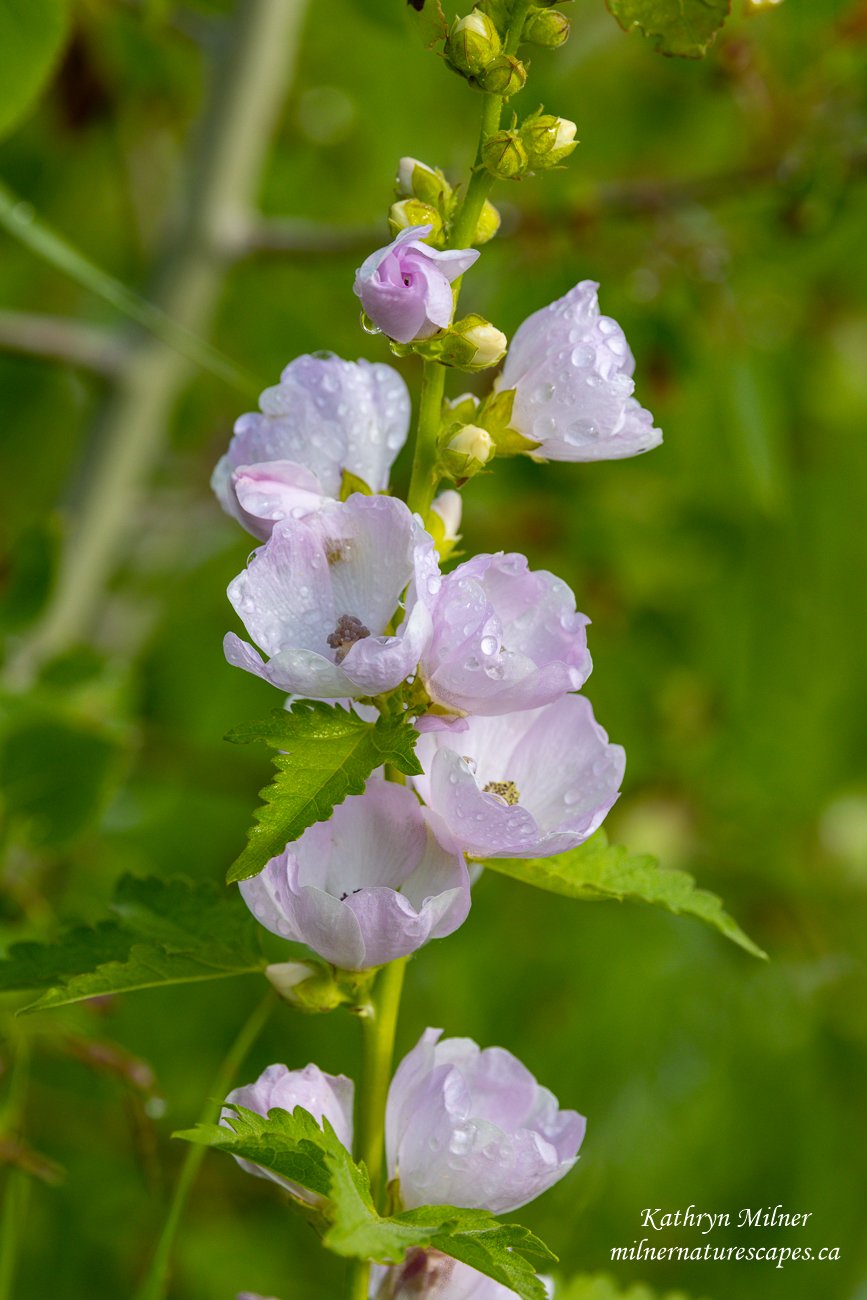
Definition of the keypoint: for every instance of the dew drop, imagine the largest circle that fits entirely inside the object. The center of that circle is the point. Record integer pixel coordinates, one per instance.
(607, 325)
(583, 356)
(489, 645)
(580, 430)
(544, 426)
(472, 663)
(542, 394)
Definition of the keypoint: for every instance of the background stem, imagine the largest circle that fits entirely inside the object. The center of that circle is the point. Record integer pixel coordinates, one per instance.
(155, 1284)
(247, 91)
(379, 1023)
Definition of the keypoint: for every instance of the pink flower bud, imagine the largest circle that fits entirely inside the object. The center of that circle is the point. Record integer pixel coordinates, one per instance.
(405, 288)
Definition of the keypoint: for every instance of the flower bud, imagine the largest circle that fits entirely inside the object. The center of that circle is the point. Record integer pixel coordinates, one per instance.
(444, 522)
(470, 344)
(488, 224)
(504, 76)
(467, 450)
(548, 139)
(307, 986)
(549, 28)
(414, 212)
(472, 43)
(505, 156)
(418, 181)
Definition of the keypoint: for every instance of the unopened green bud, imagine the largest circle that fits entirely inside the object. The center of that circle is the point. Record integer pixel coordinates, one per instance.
(465, 450)
(495, 414)
(472, 43)
(548, 139)
(415, 180)
(548, 27)
(504, 76)
(488, 224)
(505, 155)
(489, 343)
(309, 986)
(413, 212)
(460, 410)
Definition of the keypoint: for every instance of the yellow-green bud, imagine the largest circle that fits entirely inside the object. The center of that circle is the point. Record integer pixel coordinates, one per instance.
(415, 180)
(548, 139)
(490, 343)
(505, 155)
(466, 450)
(413, 212)
(549, 28)
(309, 986)
(504, 76)
(488, 224)
(472, 43)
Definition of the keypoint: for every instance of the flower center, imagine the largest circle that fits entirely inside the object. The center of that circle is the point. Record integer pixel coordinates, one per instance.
(505, 790)
(349, 630)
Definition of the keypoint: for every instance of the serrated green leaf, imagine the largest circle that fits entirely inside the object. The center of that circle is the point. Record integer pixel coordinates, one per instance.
(294, 1147)
(599, 870)
(166, 932)
(289, 1144)
(32, 33)
(330, 753)
(681, 27)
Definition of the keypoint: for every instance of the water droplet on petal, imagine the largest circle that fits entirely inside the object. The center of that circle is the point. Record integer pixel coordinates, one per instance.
(583, 356)
(489, 645)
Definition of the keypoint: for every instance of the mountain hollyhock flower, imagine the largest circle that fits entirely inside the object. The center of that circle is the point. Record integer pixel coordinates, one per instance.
(279, 1088)
(571, 373)
(406, 287)
(437, 1276)
(474, 1129)
(325, 416)
(320, 594)
(371, 885)
(524, 784)
(504, 637)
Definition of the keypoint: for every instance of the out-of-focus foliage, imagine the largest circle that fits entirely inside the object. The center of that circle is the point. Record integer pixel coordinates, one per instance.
(721, 205)
(32, 33)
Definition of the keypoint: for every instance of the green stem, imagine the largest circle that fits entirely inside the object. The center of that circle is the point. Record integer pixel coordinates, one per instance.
(16, 1189)
(516, 26)
(359, 1280)
(378, 1023)
(423, 483)
(155, 1284)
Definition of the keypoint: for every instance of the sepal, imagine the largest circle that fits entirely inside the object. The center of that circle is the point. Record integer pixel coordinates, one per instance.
(505, 155)
(495, 415)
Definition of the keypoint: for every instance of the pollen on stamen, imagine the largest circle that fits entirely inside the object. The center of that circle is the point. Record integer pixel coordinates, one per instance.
(349, 629)
(505, 790)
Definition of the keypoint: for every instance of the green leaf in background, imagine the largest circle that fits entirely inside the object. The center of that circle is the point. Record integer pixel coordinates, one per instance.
(294, 1147)
(28, 575)
(32, 33)
(330, 754)
(683, 27)
(166, 932)
(599, 1286)
(599, 870)
(56, 776)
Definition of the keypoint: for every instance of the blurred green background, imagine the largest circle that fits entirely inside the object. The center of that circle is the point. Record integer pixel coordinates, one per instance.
(721, 204)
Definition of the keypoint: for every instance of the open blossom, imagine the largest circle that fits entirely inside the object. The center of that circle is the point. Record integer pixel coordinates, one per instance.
(372, 884)
(321, 593)
(525, 784)
(571, 372)
(406, 287)
(435, 1275)
(279, 1088)
(504, 637)
(325, 416)
(474, 1129)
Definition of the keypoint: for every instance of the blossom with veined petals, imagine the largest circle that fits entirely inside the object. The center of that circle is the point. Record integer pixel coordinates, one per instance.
(325, 416)
(523, 784)
(474, 1129)
(321, 593)
(505, 637)
(571, 373)
(368, 886)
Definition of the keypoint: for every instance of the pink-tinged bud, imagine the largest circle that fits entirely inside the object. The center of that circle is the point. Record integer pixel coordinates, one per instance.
(370, 885)
(279, 1088)
(571, 373)
(504, 638)
(406, 287)
(474, 1129)
(499, 794)
(320, 596)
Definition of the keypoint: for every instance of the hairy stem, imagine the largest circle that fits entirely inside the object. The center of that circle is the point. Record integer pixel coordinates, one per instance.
(247, 92)
(156, 1283)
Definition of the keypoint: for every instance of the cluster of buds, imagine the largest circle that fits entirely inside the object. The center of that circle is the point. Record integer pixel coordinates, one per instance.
(425, 198)
(542, 141)
(474, 50)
